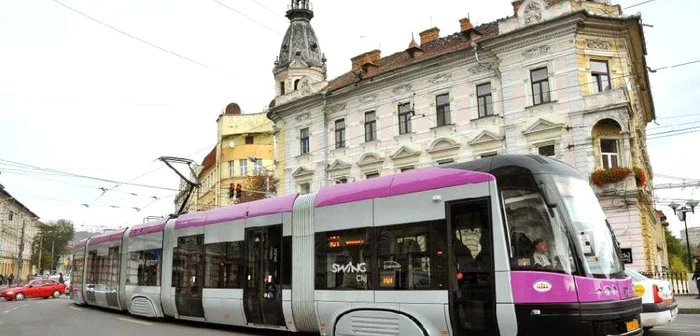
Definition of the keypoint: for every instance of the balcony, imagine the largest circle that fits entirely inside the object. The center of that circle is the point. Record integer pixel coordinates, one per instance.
(607, 99)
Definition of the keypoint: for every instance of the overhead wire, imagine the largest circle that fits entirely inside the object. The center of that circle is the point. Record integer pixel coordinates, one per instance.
(247, 17)
(142, 40)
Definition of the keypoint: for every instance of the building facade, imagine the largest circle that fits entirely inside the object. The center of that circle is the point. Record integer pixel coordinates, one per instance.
(561, 78)
(244, 155)
(16, 222)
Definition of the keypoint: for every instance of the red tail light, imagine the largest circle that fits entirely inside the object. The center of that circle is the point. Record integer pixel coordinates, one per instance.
(657, 298)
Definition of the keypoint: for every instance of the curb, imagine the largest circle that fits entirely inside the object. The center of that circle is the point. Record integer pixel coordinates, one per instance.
(688, 310)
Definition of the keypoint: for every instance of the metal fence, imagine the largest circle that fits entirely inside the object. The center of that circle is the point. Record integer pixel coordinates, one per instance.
(678, 280)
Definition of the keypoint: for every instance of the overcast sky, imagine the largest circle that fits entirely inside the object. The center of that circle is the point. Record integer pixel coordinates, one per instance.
(80, 97)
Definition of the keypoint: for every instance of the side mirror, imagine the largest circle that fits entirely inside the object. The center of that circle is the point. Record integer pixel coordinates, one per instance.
(549, 196)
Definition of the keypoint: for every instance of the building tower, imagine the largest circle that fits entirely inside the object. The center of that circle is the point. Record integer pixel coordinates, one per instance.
(300, 62)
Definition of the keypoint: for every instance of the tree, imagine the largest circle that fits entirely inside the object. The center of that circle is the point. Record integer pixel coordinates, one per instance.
(257, 185)
(676, 251)
(56, 234)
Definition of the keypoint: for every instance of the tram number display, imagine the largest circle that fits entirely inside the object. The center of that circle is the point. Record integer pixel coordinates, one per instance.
(338, 241)
(387, 281)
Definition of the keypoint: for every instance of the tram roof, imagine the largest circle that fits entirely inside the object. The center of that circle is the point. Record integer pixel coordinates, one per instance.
(146, 228)
(106, 237)
(516, 165)
(416, 180)
(270, 206)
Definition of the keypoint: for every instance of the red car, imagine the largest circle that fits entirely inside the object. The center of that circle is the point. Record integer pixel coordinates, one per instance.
(35, 288)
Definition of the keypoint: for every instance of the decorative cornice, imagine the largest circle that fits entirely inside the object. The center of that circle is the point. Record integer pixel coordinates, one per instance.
(442, 78)
(485, 137)
(338, 165)
(301, 172)
(598, 44)
(404, 152)
(368, 99)
(370, 159)
(536, 51)
(541, 126)
(401, 89)
(443, 145)
(336, 108)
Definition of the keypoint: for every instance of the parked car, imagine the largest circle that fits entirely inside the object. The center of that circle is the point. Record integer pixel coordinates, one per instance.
(66, 281)
(35, 288)
(659, 307)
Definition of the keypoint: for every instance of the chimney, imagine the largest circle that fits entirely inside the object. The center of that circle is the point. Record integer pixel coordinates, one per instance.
(465, 25)
(516, 6)
(429, 35)
(368, 58)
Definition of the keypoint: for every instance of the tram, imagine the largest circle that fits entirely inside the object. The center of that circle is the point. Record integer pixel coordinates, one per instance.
(507, 245)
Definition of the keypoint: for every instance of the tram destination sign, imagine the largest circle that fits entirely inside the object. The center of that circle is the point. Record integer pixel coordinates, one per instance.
(626, 255)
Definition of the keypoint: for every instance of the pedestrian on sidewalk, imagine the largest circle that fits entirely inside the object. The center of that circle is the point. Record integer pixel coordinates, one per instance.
(696, 276)
(60, 278)
(2, 280)
(9, 280)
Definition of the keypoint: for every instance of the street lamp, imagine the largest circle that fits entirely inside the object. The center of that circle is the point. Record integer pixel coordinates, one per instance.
(682, 212)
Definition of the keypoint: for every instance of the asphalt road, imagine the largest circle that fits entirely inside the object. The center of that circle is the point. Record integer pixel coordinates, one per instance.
(59, 317)
(683, 325)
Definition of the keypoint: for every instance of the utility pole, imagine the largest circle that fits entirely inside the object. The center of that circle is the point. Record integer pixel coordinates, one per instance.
(41, 248)
(21, 250)
(52, 256)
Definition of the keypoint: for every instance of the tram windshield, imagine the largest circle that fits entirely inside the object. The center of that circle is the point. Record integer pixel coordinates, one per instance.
(538, 240)
(599, 253)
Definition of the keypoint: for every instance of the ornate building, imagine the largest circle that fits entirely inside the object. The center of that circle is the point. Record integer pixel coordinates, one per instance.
(16, 222)
(243, 155)
(561, 78)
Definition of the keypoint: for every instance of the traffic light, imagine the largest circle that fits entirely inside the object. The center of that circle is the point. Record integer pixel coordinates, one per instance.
(239, 191)
(231, 191)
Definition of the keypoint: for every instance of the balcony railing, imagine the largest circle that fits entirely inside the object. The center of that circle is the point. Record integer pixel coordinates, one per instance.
(605, 99)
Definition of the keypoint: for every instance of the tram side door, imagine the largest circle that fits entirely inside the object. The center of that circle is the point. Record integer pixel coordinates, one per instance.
(263, 290)
(472, 296)
(188, 276)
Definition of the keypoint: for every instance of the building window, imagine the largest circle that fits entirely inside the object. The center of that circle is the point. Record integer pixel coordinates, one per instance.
(547, 150)
(540, 86)
(282, 88)
(249, 140)
(304, 188)
(484, 100)
(405, 169)
(340, 133)
(231, 169)
(601, 76)
(257, 167)
(296, 84)
(11, 215)
(371, 175)
(370, 126)
(609, 150)
(342, 180)
(304, 141)
(404, 118)
(445, 162)
(486, 155)
(243, 163)
(442, 103)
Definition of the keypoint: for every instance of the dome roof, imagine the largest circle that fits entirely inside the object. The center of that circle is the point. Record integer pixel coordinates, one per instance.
(300, 41)
(232, 109)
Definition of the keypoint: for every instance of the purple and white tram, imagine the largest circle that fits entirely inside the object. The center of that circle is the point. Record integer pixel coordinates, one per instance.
(434, 251)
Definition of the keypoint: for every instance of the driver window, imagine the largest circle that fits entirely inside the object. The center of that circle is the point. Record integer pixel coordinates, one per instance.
(538, 240)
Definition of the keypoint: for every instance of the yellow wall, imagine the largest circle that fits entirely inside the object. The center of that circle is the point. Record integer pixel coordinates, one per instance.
(281, 153)
(232, 133)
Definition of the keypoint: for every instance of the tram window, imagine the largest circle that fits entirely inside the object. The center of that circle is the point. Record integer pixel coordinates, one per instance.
(78, 265)
(225, 266)
(530, 223)
(344, 260)
(143, 268)
(403, 257)
(112, 265)
(287, 262)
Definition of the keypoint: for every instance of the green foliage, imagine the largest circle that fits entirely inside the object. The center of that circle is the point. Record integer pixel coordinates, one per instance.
(56, 234)
(675, 252)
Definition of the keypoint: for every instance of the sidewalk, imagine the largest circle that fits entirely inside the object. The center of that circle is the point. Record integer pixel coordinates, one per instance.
(688, 304)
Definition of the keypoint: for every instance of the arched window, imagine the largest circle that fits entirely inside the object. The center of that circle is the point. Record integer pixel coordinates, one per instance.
(606, 139)
(296, 85)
